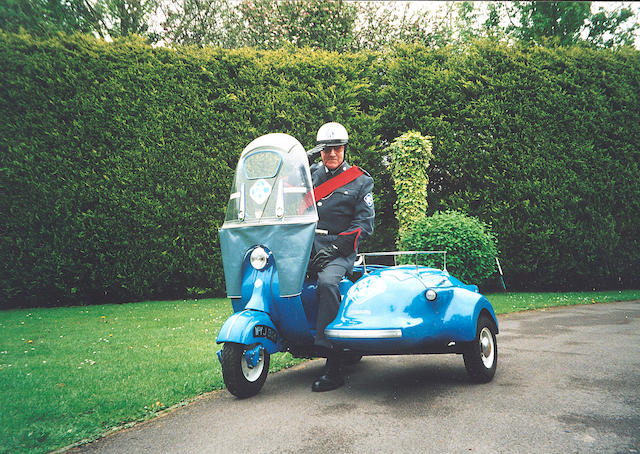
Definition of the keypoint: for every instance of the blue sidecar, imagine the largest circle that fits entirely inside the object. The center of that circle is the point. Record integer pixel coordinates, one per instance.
(266, 241)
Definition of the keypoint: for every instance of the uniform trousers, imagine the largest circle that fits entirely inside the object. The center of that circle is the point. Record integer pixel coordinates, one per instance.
(328, 299)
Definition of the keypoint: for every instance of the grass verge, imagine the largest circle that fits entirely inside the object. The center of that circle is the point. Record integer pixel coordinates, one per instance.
(73, 374)
(504, 303)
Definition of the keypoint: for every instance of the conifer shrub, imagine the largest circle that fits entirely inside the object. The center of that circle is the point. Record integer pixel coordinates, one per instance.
(410, 157)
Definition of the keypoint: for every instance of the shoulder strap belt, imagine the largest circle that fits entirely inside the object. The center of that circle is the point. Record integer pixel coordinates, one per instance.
(326, 188)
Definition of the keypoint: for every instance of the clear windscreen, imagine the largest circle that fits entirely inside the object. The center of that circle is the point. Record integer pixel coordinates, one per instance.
(271, 185)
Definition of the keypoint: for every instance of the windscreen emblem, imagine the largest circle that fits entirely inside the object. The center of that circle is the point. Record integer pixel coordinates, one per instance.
(260, 191)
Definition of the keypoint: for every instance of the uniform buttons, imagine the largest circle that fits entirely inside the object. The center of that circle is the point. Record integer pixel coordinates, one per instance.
(319, 204)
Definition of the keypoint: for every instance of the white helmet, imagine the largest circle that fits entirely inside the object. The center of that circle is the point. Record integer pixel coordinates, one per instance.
(332, 134)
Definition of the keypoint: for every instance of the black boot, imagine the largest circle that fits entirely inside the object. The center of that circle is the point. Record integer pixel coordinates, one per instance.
(332, 377)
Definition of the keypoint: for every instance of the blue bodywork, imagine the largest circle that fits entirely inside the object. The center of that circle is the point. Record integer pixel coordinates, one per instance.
(384, 310)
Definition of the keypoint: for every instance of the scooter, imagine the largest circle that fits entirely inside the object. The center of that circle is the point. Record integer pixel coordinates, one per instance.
(266, 240)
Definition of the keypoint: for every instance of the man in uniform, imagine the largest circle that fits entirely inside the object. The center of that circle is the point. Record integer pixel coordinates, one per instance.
(345, 209)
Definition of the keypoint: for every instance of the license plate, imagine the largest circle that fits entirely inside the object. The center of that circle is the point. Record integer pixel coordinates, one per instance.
(265, 331)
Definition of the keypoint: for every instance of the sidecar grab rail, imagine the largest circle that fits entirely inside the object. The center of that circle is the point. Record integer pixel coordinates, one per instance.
(362, 257)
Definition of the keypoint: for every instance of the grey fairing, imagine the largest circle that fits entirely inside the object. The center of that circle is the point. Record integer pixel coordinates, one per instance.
(290, 244)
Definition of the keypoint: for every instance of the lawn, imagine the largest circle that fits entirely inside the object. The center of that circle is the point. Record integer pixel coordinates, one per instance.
(504, 303)
(73, 374)
(70, 374)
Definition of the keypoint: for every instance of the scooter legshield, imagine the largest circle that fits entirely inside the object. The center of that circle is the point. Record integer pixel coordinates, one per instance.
(250, 327)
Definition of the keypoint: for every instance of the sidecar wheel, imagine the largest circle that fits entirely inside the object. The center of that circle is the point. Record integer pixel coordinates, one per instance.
(481, 355)
(240, 379)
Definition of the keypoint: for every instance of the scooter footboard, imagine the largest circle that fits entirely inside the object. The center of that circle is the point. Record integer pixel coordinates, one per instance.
(250, 327)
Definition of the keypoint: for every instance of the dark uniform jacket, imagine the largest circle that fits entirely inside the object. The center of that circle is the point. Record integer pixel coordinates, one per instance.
(347, 213)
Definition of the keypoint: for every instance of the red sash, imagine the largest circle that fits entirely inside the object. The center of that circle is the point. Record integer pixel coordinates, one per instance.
(326, 188)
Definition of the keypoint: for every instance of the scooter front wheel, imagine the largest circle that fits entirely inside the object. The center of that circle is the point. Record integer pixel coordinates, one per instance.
(241, 379)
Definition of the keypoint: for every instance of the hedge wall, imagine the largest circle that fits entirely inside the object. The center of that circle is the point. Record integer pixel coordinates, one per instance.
(117, 157)
(543, 143)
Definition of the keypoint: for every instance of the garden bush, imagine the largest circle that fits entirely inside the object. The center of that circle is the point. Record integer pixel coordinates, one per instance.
(471, 246)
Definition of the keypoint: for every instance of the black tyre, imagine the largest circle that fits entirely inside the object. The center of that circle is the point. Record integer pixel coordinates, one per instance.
(481, 355)
(241, 379)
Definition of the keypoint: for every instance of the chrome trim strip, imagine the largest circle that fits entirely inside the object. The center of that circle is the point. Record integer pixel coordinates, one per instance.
(290, 296)
(242, 204)
(280, 201)
(364, 333)
(292, 220)
(237, 317)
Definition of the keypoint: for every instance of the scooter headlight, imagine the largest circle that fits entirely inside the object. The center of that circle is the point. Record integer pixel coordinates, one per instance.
(259, 258)
(431, 294)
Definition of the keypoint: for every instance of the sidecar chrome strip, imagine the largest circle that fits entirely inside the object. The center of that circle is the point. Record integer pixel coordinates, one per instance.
(364, 333)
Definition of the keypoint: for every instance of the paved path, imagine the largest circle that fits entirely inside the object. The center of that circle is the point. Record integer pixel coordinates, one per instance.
(568, 381)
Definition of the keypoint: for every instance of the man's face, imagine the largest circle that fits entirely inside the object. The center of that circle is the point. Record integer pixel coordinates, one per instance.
(332, 157)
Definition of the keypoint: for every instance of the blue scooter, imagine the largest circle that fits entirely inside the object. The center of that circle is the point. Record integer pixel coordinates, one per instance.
(266, 241)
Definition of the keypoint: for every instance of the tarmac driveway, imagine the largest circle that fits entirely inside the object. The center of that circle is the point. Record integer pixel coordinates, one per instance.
(568, 381)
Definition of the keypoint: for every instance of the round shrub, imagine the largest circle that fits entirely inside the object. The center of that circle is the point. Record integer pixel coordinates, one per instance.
(471, 246)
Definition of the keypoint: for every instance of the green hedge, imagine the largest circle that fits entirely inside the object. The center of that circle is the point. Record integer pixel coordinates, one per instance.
(117, 157)
(542, 143)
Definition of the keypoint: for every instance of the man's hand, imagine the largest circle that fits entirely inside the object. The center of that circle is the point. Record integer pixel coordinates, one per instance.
(324, 256)
(313, 154)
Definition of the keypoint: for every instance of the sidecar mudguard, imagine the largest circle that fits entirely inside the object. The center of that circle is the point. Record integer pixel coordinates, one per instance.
(461, 312)
(250, 327)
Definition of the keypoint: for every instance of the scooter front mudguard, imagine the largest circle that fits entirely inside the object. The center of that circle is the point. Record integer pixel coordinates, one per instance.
(250, 327)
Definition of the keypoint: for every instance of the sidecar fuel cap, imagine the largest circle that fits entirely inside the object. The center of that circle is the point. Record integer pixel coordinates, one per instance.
(259, 258)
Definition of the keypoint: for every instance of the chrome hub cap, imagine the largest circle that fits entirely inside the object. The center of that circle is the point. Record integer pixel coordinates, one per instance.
(252, 373)
(487, 350)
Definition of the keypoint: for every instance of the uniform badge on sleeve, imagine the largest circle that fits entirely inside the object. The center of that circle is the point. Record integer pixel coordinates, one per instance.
(368, 199)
